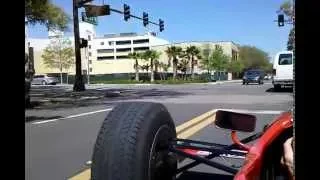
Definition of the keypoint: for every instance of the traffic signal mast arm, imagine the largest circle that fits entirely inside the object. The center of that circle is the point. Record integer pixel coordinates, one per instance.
(121, 12)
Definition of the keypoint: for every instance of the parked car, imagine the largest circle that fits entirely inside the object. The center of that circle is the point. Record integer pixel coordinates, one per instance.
(44, 80)
(253, 76)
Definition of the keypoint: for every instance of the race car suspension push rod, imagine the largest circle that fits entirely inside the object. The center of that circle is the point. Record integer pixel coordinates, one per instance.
(232, 146)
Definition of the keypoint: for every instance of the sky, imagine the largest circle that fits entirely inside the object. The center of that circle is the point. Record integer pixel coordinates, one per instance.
(246, 22)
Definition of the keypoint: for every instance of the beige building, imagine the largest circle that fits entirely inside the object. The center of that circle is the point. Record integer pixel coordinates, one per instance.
(109, 54)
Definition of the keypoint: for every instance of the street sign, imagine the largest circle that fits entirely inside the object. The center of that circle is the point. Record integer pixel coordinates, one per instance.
(92, 20)
(94, 10)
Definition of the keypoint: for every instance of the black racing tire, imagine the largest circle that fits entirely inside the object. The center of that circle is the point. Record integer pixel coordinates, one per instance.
(134, 137)
(43, 83)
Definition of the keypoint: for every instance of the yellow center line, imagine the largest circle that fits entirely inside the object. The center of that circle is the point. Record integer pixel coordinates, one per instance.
(184, 131)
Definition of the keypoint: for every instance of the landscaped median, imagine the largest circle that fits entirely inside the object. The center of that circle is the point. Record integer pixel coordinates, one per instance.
(173, 82)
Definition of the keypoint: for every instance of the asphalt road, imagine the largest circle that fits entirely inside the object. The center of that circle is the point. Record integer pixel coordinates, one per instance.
(60, 140)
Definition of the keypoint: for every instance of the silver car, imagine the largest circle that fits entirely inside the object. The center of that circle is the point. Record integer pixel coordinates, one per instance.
(44, 80)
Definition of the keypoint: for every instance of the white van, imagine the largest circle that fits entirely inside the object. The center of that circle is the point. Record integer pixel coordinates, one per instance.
(283, 70)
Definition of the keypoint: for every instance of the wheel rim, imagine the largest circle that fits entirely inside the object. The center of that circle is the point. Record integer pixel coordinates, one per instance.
(160, 157)
(44, 83)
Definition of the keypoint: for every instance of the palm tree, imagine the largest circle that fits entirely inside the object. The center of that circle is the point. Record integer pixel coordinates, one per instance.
(153, 56)
(136, 56)
(192, 52)
(173, 53)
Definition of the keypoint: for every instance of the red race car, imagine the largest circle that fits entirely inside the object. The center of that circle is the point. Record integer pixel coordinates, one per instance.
(137, 141)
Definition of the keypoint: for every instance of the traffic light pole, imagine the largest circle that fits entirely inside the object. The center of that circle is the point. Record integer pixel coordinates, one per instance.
(78, 83)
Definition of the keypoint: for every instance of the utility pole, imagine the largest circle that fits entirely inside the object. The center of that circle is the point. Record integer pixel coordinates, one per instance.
(88, 67)
(78, 83)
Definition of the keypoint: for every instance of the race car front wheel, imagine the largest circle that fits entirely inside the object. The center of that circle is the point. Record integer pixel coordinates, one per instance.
(133, 144)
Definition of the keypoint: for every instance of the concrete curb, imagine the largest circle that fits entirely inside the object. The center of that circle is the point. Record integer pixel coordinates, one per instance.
(218, 82)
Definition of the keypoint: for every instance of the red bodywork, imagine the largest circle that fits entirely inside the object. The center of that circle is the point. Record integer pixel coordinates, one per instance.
(252, 166)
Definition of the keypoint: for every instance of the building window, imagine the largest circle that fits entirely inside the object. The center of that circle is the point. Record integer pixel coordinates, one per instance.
(90, 61)
(122, 57)
(141, 48)
(89, 46)
(111, 43)
(124, 50)
(90, 53)
(89, 38)
(105, 50)
(101, 58)
(123, 42)
(101, 43)
(140, 41)
(234, 55)
(90, 69)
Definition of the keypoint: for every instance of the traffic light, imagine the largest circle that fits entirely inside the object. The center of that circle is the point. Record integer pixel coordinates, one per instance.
(126, 12)
(280, 20)
(83, 43)
(145, 19)
(161, 24)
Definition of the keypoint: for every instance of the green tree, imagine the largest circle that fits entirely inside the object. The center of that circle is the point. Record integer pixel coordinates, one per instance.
(151, 56)
(183, 63)
(235, 67)
(287, 8)
(205, 58)
(173, 53)
(268, 67)
(218, 60)
(253, 57)
(59, 55)
(46, 13)
(290, 43)
(136, 56)
(164, 68)
(192, 52)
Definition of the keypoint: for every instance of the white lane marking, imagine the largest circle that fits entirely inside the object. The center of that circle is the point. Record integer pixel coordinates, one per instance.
(72, 116)
(253, 111)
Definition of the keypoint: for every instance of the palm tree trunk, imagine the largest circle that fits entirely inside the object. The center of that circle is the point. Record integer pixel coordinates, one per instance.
(61, 75)
(137, 71)
(192, 67)
(174, 67)
(67, 78)
(152, 71)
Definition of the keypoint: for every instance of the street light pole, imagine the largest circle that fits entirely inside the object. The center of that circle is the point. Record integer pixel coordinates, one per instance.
(78, 83)
(88, 68)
